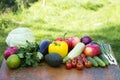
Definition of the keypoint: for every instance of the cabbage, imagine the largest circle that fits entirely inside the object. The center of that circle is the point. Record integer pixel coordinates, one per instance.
(19, 36)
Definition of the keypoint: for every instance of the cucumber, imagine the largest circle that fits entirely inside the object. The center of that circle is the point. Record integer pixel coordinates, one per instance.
(104, 59)
(99, 61)
(94, 63)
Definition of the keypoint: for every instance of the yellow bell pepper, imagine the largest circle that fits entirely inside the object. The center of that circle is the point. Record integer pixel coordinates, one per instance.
(59, 47)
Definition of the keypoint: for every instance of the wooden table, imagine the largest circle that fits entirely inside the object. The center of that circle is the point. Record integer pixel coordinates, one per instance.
(111, 72)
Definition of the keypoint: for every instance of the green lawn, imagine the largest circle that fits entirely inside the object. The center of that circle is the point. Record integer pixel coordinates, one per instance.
(99, 19)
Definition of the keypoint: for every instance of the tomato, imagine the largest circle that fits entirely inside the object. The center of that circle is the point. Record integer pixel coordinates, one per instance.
(79, 58)
(80, 61)
(83, 55)
(68, 65)
(74, 62)
(79, 66)
(84, 59)
(88, 64)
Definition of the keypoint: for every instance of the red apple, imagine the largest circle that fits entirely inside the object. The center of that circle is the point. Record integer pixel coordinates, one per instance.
(69, 42)
(74, 40)
(92, 50)
(9, 51)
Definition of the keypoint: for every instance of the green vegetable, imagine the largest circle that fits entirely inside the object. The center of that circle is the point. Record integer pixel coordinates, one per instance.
(19, 36)
(107, 51)
(39, 55)
(53, 59)
(104, 59)
(29, 55)
(76, 51)
(99, 61)
(94, 63)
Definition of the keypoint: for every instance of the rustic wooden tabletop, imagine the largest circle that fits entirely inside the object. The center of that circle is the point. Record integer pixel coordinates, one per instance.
(111, 72)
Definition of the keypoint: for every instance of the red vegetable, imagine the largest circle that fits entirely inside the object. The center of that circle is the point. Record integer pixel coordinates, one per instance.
(74, 62)
(88, 64)
(79, 58)
(79, 66)
(83, 55)
(9, 51)
(68, 65)
(84, 59)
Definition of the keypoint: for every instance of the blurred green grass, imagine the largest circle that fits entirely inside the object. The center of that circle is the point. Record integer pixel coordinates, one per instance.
(99, 19)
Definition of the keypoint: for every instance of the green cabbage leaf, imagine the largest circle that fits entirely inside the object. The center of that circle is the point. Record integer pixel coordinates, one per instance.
(19, 36)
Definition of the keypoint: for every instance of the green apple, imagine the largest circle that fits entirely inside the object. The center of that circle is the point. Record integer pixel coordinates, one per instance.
(13, 61)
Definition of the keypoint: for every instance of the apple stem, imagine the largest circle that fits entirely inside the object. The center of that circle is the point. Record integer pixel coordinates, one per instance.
(64, 35)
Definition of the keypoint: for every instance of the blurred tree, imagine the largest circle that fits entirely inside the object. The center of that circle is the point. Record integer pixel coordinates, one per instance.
(8, 2)
(43, 2)
(15, 4)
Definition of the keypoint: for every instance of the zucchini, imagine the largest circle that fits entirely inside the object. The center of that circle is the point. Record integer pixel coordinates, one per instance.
(94, 63)
(99, 61)
(76, 51)
(104, 59)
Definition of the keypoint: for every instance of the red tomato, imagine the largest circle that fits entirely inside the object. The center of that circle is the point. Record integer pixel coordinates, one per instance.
(80, 61)
(68, 65)
(84, 59)
(79, 58)
(74, 62)
(79, 66)
(88, 64)
(83, 55)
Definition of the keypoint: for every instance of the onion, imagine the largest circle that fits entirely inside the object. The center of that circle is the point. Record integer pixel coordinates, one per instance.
(86, 39)
(9, 51)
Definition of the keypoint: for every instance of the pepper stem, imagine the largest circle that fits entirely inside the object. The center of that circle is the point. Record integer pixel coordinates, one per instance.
(57, 44)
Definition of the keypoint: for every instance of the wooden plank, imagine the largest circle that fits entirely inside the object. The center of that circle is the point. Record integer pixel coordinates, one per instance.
(49, 73)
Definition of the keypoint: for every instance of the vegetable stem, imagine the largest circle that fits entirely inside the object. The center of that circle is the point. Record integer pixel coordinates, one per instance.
(64, 35)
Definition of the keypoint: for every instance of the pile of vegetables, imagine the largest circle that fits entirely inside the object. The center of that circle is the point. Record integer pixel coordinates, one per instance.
(28, 55)
(79, 62)
(73, 52)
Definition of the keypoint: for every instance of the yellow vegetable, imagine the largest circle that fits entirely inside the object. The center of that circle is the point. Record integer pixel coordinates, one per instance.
(59, 47)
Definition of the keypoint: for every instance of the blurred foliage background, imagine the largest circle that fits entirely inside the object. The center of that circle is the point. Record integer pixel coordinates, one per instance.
(14, 5)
